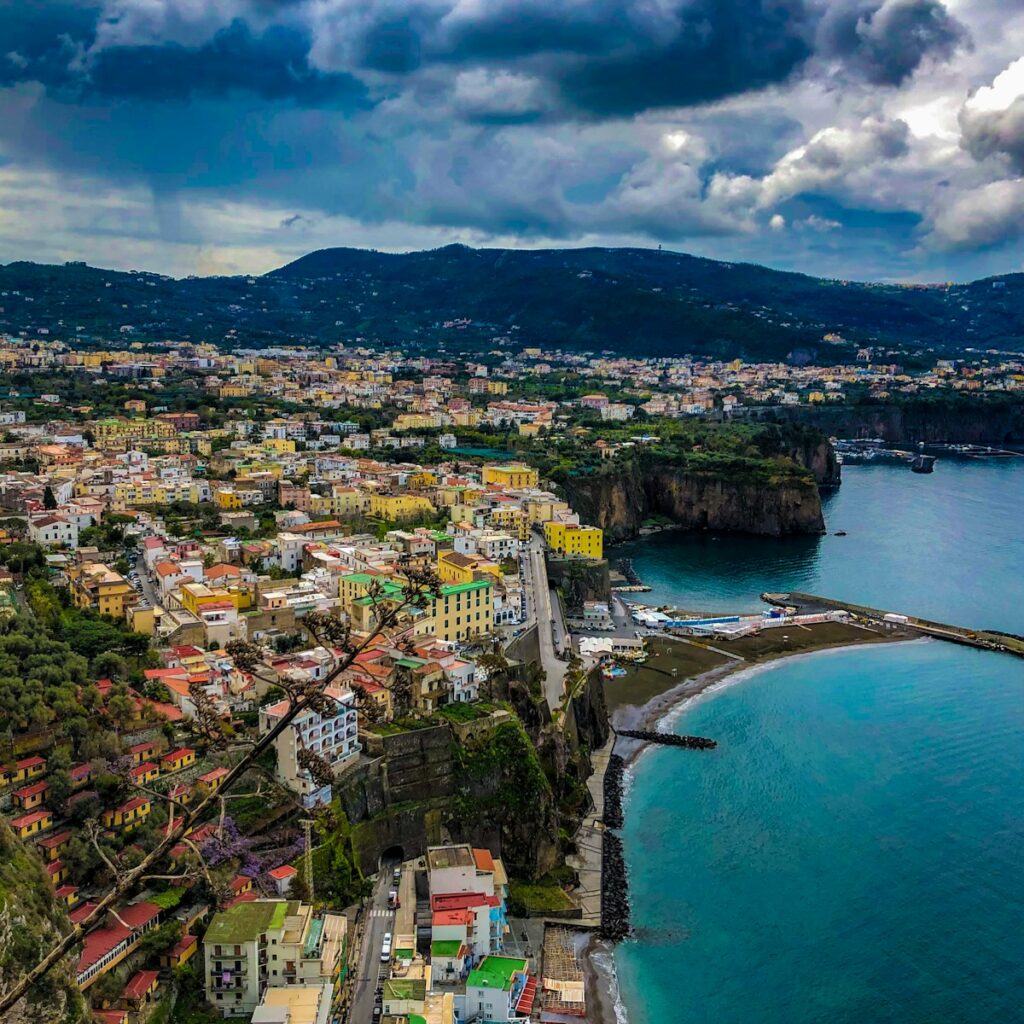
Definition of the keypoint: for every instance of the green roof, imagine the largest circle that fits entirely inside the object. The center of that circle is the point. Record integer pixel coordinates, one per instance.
(245, 922)
(457, 588)
(495, 972)
(445, 947)
(415, 1018)
(405, 989)
(410, 662)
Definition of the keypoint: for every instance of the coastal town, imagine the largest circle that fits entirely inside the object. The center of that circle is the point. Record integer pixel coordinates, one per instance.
(299, 629)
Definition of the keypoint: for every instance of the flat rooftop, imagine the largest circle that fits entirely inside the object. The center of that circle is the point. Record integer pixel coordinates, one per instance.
(439, 857)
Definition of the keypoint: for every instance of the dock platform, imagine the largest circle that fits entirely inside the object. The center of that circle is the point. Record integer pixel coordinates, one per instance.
(987, 640)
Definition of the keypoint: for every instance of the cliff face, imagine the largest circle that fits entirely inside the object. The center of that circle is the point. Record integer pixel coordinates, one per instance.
(620, 503)
(30, 922)
(909, 422)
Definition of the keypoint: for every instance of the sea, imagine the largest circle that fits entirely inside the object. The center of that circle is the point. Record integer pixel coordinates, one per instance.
(948, 545)
(853, 850)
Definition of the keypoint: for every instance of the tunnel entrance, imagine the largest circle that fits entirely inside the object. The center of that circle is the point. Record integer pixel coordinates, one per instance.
(392, 857)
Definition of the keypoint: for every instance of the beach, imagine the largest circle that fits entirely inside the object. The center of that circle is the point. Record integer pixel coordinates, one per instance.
(652, 696)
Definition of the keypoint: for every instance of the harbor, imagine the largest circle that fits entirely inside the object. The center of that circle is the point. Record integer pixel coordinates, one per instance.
(799, 604)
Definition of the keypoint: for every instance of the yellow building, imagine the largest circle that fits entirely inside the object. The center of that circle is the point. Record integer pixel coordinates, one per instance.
(227, 498)
(512, 476)
(279, 445)
(343, 501)
(129, 815)
(463, 611)
(196, 596)
(570, 541)
(512, 520)
(117, 430)
(95, 586)
(416, 421)
(31, 824)
(453, 567)
(398, 507)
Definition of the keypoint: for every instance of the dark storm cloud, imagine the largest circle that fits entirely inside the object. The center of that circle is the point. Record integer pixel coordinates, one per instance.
(40, 41)
(886, 43)
(718, 50)
(53, 45)
(274, 66)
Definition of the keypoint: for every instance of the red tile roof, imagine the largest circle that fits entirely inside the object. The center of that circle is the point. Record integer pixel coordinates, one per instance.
(140, 984)
(177, 755)
(31, 818)
(29, 791)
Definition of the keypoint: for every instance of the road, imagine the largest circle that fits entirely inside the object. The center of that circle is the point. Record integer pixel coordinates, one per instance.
(371, 972)
(148, 590)
(539, 610)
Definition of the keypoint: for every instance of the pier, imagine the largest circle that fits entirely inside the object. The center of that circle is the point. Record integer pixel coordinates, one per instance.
(986, 640)
(669, 739)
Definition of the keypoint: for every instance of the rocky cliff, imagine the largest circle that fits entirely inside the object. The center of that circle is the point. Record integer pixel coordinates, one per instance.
(619, 502)
(30, 922)
(958, 420)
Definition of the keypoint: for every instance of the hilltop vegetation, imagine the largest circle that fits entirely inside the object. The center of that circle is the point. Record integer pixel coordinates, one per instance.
(626, 300)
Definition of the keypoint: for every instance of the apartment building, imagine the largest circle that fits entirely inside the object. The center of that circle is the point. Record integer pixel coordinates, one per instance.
(334, 738)
(570, 540)
(252, 948)
(95, 586)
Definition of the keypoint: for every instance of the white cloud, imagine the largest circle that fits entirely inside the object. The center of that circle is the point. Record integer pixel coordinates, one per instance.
(987, 216)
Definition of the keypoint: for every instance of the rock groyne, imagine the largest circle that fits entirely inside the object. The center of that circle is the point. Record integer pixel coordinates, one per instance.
(614, 890)
(670, 739)
(613, 777)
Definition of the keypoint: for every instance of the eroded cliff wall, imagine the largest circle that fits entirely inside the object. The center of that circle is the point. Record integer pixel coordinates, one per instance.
(620, 502)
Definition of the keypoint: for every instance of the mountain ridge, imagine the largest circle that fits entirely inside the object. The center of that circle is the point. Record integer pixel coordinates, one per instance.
(629, 300)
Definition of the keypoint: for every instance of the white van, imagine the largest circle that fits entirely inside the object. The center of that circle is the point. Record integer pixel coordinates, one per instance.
(385, 949)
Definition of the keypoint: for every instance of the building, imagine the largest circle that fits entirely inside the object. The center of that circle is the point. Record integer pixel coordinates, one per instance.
(335, 739)
(95, 586)
(129, 815)
(500, 989)
(52, 531)
(107, 946)
(569, 540)
(175, 760)
(261, 945)
(463, 611)
(512, 476)
(468, 890)
(296, 1004)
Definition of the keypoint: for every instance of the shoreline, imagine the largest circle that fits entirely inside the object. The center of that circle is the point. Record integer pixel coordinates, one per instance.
(603, 997)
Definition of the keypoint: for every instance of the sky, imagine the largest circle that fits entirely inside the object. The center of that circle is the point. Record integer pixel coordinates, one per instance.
(869, 139)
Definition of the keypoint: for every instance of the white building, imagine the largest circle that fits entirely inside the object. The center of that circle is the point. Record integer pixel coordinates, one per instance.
(335, 739)
(253, 948)
(53, 531)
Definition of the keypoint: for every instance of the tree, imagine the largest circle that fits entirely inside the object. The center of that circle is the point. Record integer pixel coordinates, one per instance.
(109, 665)
(302, 694)
(49, 501)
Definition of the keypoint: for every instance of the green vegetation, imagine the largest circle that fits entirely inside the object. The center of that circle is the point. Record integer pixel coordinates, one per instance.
(761, 452)
(534, 899)
(32, 922)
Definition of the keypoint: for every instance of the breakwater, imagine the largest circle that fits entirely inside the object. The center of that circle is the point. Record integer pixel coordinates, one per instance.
(669, 739)
(613, 776)
(614, 889)
(986, 640)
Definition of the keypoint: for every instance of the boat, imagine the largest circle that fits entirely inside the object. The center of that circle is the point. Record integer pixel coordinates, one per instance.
(839, 533)
(923, 464)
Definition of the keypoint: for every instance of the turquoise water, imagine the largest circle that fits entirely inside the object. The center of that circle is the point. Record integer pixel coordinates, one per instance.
(853, 851)
(946, 546)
